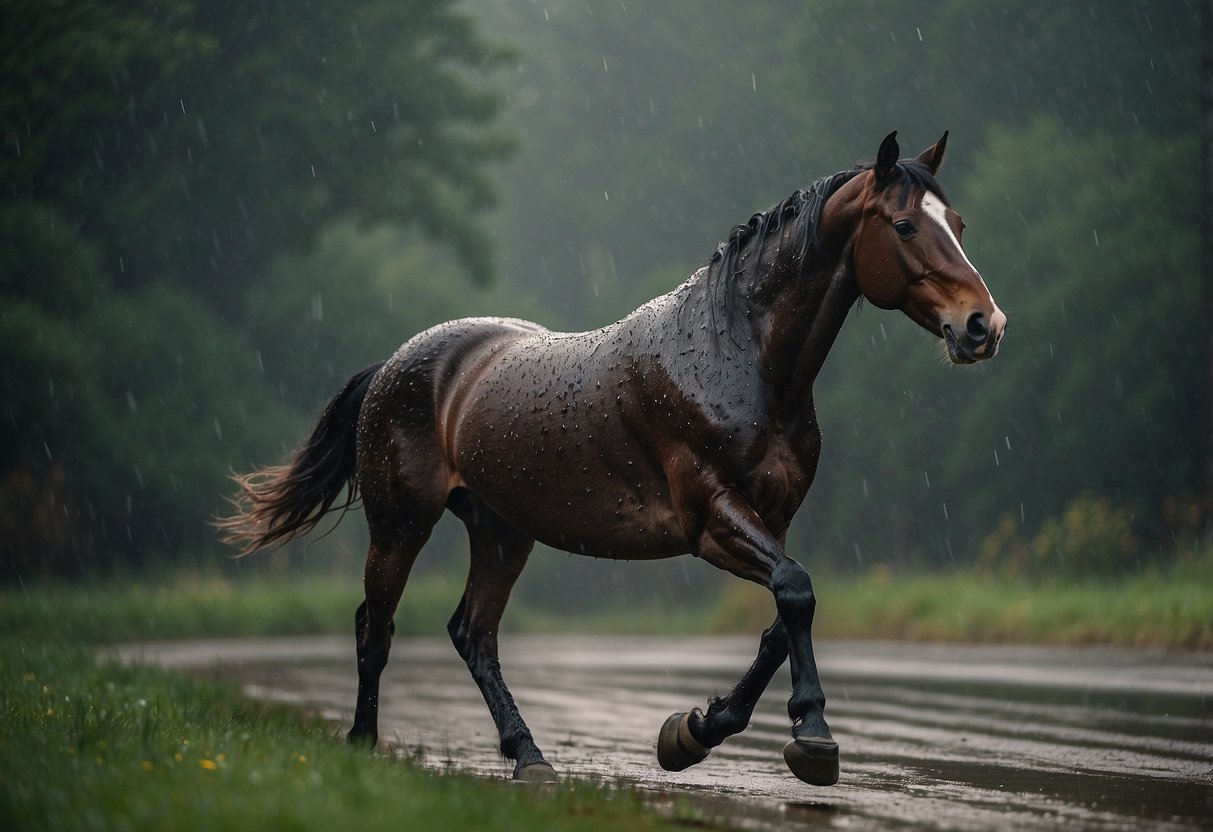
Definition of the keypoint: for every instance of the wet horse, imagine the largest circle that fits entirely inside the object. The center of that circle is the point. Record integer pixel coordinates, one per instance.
(686, 427)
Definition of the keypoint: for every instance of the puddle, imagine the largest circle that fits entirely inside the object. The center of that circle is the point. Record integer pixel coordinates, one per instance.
(931, 737)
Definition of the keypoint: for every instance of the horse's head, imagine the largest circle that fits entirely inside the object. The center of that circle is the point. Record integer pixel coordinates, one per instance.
(908, 256)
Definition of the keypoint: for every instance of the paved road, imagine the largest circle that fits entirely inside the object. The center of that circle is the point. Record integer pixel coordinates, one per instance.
(931, 737)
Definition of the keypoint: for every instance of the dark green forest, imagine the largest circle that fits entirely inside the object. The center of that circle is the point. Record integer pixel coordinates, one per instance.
(214, 213)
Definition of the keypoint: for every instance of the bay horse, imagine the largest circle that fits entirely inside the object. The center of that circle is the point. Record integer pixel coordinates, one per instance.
(686, 427)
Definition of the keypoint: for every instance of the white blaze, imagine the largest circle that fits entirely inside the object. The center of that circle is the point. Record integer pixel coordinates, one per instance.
(935, 208)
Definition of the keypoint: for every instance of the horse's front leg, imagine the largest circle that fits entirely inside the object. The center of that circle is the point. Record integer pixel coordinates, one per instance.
(687, 738)
(734, 538)
(812, 755)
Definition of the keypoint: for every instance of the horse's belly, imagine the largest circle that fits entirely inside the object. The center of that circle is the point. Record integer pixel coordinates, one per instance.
(574, 499)
(582, 515)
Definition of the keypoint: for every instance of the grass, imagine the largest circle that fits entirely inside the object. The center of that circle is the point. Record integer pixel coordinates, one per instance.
(1169, 608)
(211, 607)
(87, 745)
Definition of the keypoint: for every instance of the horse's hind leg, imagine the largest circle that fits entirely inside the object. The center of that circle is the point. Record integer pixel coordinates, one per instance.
(498, 553)
(399, 529)
(687, 738)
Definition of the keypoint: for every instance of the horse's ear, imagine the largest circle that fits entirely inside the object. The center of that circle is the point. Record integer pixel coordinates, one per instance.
(887, 156)
(932, 157)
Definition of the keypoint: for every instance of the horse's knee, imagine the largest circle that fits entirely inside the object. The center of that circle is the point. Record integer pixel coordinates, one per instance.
(793, 588)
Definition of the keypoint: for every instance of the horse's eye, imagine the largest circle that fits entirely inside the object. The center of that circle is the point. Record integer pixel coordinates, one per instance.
(904, 228)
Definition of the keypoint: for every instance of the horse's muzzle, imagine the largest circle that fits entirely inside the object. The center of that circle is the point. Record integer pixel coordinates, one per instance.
(978, 340)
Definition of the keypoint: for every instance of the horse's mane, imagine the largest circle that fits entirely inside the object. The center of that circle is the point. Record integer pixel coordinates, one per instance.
(803, 207)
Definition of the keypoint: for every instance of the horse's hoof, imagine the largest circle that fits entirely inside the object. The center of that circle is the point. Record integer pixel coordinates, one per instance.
(359, 739)
(676, 748)
(813, 759)
(536, 773)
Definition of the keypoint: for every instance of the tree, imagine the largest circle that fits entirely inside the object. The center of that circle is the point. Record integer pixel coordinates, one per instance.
(158, 159)
(194, 143)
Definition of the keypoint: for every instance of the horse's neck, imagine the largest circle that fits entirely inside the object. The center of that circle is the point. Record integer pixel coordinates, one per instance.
(801, 326)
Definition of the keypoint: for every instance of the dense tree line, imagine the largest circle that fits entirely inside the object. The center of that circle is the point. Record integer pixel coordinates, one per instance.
(160, 159)
(214, 213)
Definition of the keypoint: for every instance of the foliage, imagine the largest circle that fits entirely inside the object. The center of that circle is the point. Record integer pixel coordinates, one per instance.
(121, 405)
(197, 142)
(1091, 539)
(158, 159)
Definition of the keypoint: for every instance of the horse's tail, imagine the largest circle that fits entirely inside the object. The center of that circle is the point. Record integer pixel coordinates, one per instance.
(280, 502)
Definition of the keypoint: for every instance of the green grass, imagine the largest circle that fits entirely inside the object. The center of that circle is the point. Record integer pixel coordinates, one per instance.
(1170, 608)
(211, 607)
(87, 745)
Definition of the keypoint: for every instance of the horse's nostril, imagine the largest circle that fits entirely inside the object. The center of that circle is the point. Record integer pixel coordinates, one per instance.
(977, 329)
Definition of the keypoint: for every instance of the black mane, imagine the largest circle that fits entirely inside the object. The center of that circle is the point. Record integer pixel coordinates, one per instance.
(804, 207)
(724, 284)
(806, 204)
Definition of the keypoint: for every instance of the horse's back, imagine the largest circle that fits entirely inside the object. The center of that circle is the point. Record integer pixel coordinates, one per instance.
(409, 401)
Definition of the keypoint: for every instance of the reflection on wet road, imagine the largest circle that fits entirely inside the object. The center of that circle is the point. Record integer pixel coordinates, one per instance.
(931, 737)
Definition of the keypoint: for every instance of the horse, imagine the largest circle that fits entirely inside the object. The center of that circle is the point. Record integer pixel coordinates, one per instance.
(686, 427)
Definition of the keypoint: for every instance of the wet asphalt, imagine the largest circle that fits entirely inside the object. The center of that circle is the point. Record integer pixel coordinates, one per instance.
(931, 737)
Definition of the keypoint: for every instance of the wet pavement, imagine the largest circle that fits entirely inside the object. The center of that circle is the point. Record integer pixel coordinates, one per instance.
(931, 737)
